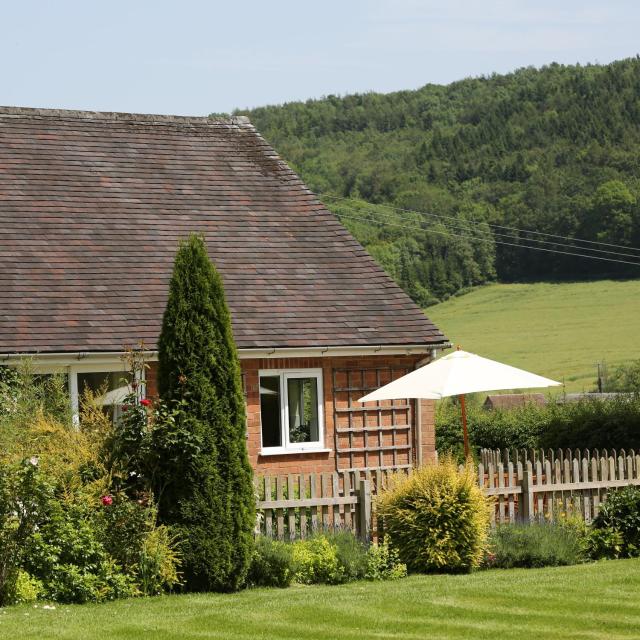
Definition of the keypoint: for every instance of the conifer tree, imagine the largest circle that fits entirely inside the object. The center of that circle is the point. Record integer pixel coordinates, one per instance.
(203, 480)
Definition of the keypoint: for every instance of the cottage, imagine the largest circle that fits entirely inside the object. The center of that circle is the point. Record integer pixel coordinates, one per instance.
(92, 207)
(514, 400)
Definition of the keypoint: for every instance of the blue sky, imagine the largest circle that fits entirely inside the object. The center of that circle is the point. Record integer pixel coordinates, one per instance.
(194, 57)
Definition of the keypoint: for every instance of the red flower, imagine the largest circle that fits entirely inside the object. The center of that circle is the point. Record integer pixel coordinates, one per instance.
(145, 402)
(107, 500)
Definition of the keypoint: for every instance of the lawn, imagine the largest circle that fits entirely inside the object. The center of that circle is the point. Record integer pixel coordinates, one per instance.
(557, 330)
(598, 600)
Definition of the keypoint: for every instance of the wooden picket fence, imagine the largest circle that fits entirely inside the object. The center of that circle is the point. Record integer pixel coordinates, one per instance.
(540, 485)
(527, 486)
(297, 505)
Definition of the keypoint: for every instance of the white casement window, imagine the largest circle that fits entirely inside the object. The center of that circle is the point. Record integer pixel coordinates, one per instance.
(110, 385)
(291, 412)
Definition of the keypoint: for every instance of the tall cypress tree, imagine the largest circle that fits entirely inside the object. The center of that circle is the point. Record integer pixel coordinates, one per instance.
(203, 479)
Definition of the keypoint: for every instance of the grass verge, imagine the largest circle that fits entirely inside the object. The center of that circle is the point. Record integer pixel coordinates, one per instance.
(598, 600)
(556, 330)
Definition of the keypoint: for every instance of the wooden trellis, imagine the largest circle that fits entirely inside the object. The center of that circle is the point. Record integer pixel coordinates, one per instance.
(375, 436)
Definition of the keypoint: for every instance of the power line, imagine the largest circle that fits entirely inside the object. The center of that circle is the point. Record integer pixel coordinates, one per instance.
(499, 226)
(471, 230)
(478, 239)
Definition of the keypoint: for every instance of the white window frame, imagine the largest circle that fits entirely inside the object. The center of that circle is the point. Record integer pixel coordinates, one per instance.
(289, 447)
(74, 393)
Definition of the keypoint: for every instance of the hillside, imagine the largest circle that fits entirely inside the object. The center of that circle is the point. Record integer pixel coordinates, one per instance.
(555, 150)
(556, 330)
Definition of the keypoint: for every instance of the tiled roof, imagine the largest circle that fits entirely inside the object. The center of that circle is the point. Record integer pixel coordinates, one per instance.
(93, 205)
(513, 400)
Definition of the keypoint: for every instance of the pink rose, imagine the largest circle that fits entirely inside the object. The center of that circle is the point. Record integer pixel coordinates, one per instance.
(107, 500)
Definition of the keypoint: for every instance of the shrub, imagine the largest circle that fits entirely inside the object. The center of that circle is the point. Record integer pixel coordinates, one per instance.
(203, 478)
(123, 526)
(517, 428)
(27, 589)
(24, 498)
(158, 562)
(383, 562)
(535, 545)
(351, 553)
(625, 378)
(593, 424)
(605, 543)
(272, 564)
(621, 514)
(316, 561)
(437, 518)
(67, 555)
(590, 423)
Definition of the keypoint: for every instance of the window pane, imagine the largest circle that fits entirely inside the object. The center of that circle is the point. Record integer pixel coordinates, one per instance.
(109, 389)
(270, 411)
(302, 395)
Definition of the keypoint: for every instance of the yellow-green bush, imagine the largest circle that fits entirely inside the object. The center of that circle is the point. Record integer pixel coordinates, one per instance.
(437, 518)
(316, 562)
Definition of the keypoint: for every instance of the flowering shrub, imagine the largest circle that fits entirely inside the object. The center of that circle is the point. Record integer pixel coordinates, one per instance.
(77, 519)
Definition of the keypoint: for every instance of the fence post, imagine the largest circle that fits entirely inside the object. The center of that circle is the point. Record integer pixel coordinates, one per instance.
(526, 512)
(364, 509)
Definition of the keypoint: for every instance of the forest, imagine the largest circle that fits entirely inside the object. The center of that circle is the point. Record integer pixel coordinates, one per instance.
(446, 186)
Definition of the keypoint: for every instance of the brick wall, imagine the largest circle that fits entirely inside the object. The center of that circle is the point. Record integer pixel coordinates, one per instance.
(316, 462)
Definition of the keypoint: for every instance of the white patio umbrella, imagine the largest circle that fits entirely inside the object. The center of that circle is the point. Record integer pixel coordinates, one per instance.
(456, 374)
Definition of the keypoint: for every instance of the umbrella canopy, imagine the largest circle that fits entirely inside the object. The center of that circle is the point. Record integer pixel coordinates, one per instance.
(458, 373)
(455, 375)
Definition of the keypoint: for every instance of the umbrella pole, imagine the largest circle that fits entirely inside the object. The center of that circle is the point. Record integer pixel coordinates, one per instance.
(465, 433)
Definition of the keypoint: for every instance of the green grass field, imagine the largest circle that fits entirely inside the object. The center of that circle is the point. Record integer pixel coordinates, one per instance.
(556, 330)
(598, 600)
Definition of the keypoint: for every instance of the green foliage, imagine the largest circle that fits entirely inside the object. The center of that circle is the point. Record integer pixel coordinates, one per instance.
(383, 562)
(123, 527)
(326, 558)
(26, 589)
(605, 543)
(554, 150)
(351, 553)
(58, 539)
(590, 424)
(158, 562)
(316, 562)
(437, 518)
(203, 477)
(535, 545)
(517, 428)
(624, 378)
(24, 496)
(144, 550)
(67, 555)
(621, 514)
(272, 564)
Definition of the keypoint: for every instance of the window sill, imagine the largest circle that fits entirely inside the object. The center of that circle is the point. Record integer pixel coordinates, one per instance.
(291, 452)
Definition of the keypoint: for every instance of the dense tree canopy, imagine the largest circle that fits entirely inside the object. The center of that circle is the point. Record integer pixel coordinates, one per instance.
(554, 150)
